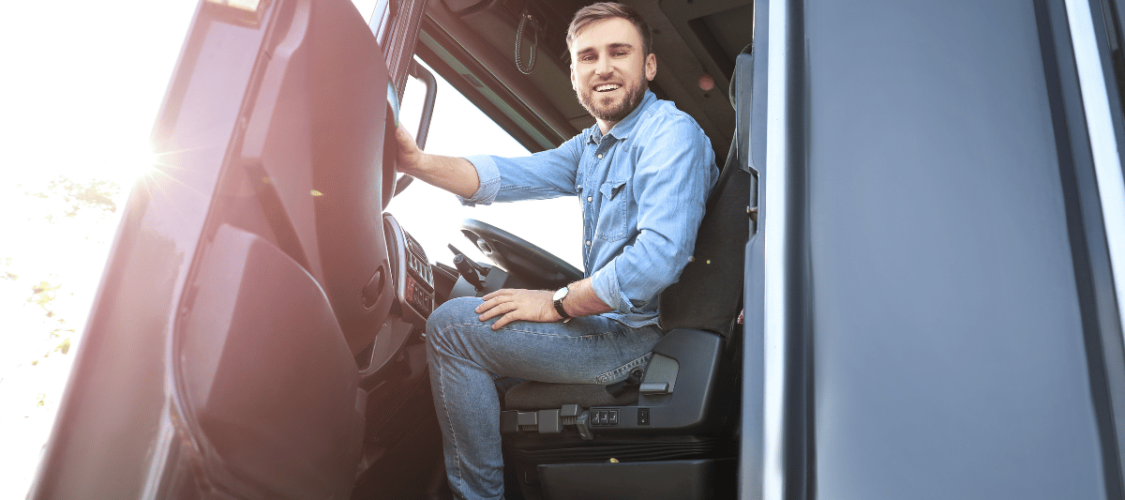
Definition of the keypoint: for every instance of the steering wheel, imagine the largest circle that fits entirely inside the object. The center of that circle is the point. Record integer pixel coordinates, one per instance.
(519, 257)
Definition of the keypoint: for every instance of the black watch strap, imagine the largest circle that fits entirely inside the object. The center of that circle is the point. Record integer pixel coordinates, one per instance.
(560, 295)
(561, 310)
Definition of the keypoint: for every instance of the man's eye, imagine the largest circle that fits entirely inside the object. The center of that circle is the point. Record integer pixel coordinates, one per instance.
(586, 58)
(620, 54)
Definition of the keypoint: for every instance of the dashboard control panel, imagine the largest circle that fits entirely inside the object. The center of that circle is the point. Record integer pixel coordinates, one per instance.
(413, 277)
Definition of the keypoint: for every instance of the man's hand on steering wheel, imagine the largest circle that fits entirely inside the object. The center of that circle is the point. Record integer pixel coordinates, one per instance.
(518, 305)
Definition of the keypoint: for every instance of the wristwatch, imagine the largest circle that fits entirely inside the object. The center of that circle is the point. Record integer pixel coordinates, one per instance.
(560, 294)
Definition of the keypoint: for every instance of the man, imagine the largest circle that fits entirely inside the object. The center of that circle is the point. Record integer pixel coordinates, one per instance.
(642, 174)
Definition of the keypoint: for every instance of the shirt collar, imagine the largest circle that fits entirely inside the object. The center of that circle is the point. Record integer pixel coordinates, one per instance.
(624, 127)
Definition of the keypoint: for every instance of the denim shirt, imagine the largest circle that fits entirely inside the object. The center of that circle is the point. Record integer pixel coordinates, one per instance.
(643, 187)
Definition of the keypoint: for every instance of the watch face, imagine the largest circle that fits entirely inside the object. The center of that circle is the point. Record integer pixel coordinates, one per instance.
(560, 293)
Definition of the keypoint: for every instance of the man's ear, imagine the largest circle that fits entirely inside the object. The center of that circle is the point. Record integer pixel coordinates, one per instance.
(650, 67)
(573, 79)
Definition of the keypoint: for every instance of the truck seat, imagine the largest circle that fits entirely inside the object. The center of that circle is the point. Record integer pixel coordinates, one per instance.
(559, 437)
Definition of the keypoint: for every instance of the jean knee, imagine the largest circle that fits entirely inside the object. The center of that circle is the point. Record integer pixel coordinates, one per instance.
(456, 311)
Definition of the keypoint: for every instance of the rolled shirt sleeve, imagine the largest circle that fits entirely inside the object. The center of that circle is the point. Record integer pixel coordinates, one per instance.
(489, 177)
(546, 174)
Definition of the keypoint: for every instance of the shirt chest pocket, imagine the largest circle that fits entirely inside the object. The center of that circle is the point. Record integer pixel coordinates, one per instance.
(613, 215)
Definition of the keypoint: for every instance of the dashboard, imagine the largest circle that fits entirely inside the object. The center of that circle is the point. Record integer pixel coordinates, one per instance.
(411, 274)
(413, 283)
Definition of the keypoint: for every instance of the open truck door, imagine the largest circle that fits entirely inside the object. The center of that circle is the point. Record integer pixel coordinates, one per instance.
(250, 271)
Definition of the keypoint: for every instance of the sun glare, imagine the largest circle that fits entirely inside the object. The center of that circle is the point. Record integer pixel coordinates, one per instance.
(135, 164)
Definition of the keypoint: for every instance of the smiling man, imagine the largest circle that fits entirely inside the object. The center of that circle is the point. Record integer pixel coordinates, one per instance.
(642, 175)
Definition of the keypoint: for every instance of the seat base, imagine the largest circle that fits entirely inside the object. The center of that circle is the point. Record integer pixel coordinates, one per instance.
(536, 395)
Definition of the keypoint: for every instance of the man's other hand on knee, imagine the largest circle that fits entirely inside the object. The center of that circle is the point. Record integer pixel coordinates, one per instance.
(518, 305)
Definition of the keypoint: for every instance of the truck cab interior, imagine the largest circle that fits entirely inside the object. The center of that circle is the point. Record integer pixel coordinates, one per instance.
(939, 316)
(291, 306)
(669, 430)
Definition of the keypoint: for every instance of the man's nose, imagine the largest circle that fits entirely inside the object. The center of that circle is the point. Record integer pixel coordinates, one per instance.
(603, 67)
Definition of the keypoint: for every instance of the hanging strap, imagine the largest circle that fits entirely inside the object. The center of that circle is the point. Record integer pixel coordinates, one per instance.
(524, 19)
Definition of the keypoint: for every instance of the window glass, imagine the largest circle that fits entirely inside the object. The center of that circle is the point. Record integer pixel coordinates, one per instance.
(378, 15)
(367, 7)
(434, 216)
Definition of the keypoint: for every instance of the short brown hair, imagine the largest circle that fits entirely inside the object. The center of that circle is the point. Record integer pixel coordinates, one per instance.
(609, 10)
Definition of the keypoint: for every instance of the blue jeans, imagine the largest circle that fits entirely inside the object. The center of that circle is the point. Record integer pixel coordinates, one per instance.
(464, 353)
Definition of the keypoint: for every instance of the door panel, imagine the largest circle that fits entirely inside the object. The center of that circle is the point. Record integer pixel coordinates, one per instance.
(924, 332)
(310, 151)
(269, 380)
(247, 272)
(294, 280)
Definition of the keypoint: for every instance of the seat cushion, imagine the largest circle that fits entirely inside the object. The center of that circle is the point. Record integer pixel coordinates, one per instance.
(540, 396)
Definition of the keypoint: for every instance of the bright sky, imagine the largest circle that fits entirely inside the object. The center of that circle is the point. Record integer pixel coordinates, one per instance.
(78, 98)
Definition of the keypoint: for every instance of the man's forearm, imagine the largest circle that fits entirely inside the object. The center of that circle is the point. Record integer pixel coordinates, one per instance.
(456, 175)
(582, 301)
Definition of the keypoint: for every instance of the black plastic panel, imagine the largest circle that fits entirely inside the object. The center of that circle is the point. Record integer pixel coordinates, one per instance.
(413, 280)
(671, 480)
(697, 353)
(311, 146)
(268, 375)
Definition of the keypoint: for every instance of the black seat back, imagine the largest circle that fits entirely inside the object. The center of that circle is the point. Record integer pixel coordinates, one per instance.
(708, 295)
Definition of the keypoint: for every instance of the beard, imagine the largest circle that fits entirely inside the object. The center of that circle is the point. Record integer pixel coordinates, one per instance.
(613, 111)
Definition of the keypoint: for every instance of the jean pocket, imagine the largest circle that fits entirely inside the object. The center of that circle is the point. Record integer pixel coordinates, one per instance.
(622, 371)
(613, 219)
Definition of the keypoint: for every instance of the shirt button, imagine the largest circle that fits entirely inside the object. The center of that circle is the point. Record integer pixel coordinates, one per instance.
(590, 199)
(599, 156)
(587, 242)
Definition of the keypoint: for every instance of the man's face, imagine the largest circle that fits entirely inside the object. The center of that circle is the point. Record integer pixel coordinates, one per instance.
(608, 71)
